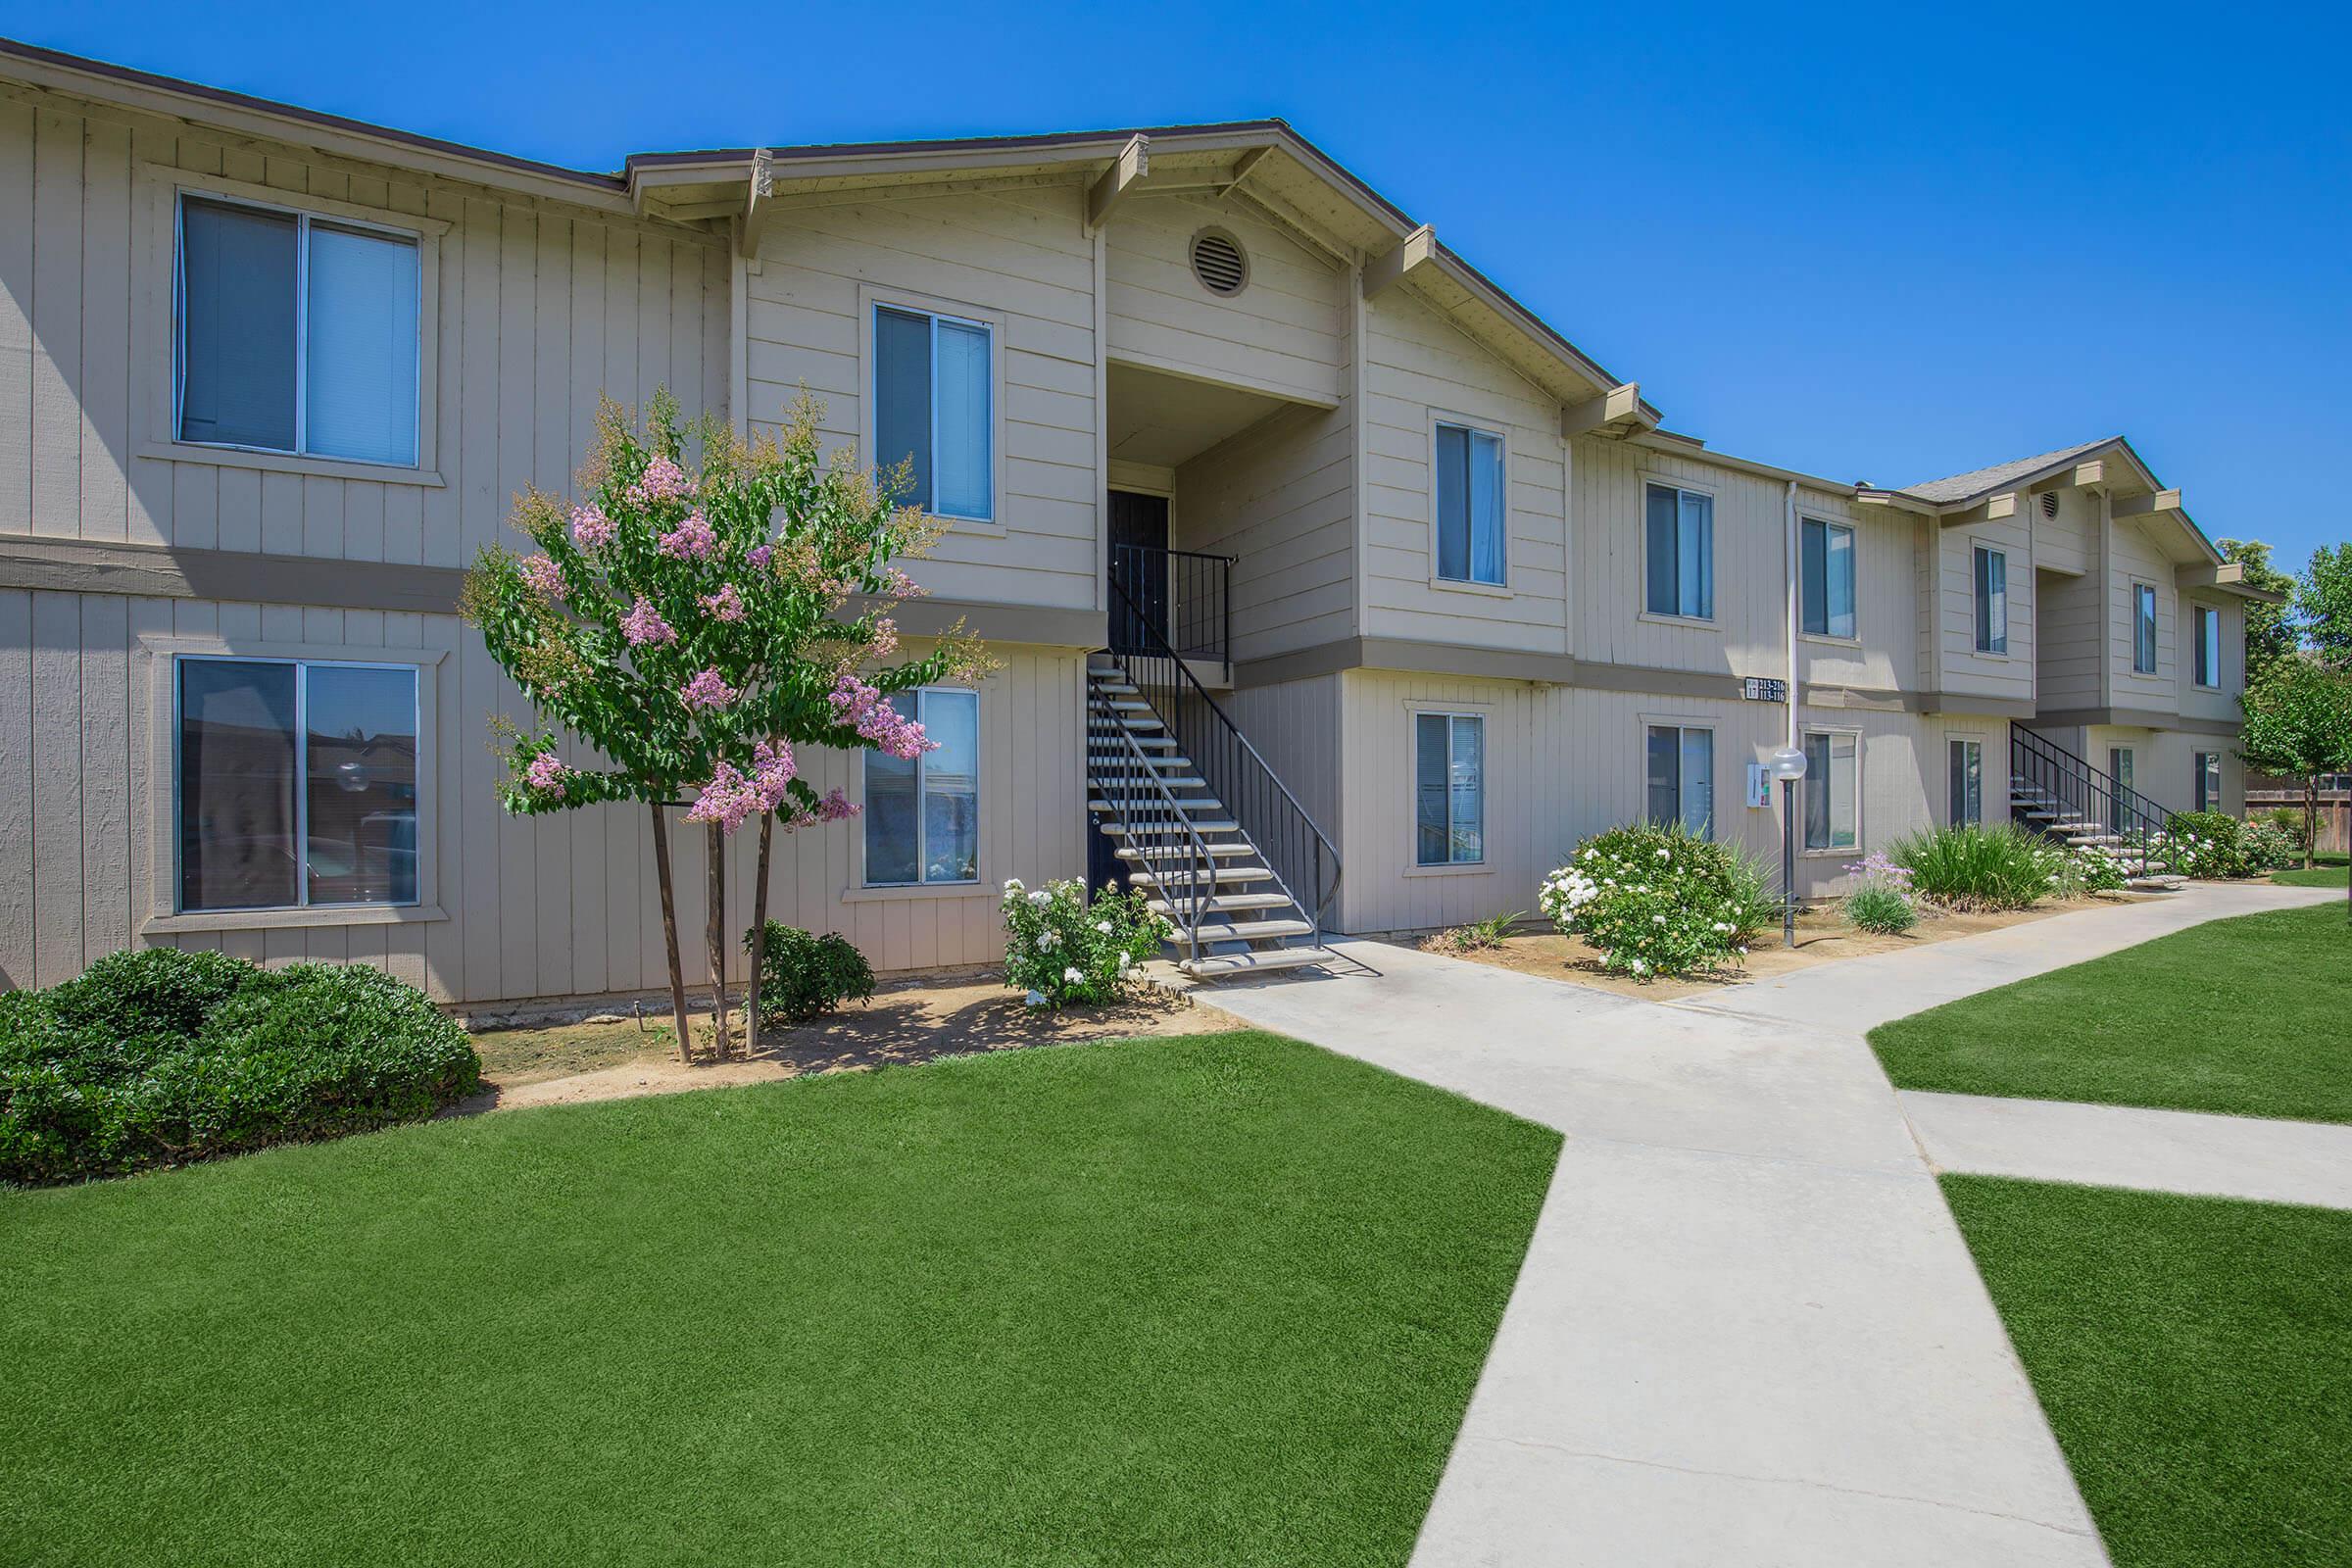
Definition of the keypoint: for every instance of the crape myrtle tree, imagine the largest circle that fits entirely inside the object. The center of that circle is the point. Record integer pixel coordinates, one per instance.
(2299, 725)
(695, 627)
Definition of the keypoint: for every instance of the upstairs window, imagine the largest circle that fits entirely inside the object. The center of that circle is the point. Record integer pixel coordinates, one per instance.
(934, 392)
(295, 334)
(1992, 600)
(1680, 552)
(296, 784)
(1829, 568)
(2209, 646)
(1681, 782)
(2143, 629)
(1470, 504)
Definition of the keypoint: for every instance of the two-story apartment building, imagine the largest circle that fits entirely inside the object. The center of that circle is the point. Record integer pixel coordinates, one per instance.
(1438, 594)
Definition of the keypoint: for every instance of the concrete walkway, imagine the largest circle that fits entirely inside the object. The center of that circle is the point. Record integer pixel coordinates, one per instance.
(2122, 1146)
(1747, 1329)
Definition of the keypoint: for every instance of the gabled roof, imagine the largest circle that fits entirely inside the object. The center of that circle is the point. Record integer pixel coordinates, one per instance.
(2002, 475)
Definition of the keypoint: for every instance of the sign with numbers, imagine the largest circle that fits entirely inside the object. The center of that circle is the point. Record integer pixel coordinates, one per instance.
(1764, 689)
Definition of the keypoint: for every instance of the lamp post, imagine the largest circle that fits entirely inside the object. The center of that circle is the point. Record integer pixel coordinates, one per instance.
(1788, 767)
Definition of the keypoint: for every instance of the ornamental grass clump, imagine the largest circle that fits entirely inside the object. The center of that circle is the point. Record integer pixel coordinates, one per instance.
(1061, 947)
(1971, 868)
(159, 1058)
(1655, 901)
(1881, 902)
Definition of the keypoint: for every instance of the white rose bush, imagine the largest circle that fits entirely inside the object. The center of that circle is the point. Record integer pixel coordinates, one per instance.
(1656, 901)
(1061, 947)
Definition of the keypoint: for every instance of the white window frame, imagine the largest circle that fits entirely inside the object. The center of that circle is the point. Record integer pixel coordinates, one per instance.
(922, 765)
(1682, 727)
(2207, 785)
(1439, 419)
(1954, 803)
(1989, 645)
(2155, 623)
(155, 324)
(1644, 482)
(1853, 559)
(163, 655)
(1416, 865)
(1833, 733)
(2202, 616)
(963, 313)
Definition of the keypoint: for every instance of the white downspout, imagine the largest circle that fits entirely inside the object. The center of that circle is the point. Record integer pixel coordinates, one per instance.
(1790, 521)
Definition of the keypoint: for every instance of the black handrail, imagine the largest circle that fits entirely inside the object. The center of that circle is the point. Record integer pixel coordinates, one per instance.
(2082, 793)
(1185, 596)
(1299, 854)
(1152, 818)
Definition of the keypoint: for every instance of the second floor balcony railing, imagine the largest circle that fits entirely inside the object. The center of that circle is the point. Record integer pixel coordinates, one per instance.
(1183, 596)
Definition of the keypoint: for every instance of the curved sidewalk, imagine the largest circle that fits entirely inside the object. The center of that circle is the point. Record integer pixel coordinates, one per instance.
(1747, 1329)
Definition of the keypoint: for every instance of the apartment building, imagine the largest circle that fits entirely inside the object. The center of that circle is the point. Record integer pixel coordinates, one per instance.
(1334, 591)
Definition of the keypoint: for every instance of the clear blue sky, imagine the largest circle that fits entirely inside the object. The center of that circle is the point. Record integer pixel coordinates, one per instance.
(1878, 244)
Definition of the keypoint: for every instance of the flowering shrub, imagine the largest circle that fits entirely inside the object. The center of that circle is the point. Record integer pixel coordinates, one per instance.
(1060, 947)
(2088, 869)
(1654, 901)
(2207, 844)
(2268, 845)
(1881, 901)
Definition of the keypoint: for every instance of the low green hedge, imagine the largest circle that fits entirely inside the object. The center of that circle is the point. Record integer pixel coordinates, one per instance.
(158, 1056)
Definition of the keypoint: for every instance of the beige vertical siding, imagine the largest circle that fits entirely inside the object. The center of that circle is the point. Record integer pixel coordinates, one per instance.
(539, 307)
(1282, 333)
(1019, 260)
(535, 907)
(1279, 498)
(1420, 368)
(2067, 642)
(1296, 727)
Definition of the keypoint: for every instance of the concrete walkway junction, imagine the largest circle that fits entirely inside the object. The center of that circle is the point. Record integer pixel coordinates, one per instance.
(1747, 1329)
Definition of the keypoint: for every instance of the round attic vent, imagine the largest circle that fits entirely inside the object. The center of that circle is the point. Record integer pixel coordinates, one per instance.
(1219, 262)
(2049, 503)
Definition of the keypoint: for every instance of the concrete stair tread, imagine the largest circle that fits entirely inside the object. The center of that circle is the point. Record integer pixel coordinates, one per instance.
(1179, 850)
(1204, 829)
(1224, 902)
(1204, 804)
(1222, 873)
(1249, 930)
(1225, 964)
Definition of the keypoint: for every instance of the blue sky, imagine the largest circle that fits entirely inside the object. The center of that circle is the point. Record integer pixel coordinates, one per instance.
(1881, 244)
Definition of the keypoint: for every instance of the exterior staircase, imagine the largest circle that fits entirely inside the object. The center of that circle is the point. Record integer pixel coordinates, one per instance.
(2058, 795)
(1231, 908)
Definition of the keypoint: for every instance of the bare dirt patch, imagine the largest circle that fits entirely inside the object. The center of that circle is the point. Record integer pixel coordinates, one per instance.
(908, 1022)
(1823, 936)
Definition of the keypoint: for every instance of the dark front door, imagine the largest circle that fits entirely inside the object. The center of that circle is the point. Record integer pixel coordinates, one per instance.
(1139, 566)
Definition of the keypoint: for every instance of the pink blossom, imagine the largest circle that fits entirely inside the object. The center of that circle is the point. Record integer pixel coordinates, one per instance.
(863, 707)
(724, 605)
(886, 637)
(710, 689)
(539, 574)
(760, 556)
(730, 798)
(723, 800)
(591, 529)
(694, 538)
(644, 624)
(896, 584)
(834, 808)
(546, 774)
(662, 480)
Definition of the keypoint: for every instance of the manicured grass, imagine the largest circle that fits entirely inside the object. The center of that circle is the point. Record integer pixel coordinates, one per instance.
(2245, 1015)
(2191, 1354)
(2330, 871)
(1218, 1298)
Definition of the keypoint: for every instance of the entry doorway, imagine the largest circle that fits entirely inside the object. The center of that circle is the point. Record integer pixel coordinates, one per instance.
(1139, 566)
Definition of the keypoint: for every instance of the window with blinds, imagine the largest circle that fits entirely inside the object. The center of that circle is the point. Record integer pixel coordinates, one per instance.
(295, 333)
(934, 410)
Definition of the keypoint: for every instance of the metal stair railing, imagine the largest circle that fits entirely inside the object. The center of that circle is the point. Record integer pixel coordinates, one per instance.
(1151, 819)
(2084, 793)
(1185, 596)
(1297, 851)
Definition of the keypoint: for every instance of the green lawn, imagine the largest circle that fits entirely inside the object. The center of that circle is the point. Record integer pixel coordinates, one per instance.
(2247, 1015)
(1207, 1299)
(2329, 872)
(2190, 1352)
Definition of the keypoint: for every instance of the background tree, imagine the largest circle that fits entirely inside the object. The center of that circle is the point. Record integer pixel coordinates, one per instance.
(693, 628)
(2299, 725)
(2323, 605)
(2269, 628)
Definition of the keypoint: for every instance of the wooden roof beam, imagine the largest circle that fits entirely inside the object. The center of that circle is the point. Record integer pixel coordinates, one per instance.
(1118, 181)
(1612, 412)
(1418, 249)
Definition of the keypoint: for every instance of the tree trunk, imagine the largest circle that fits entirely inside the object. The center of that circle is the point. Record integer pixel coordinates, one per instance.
(669, 934)
(751, 1012)
(716, 841)
(2311, 822)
